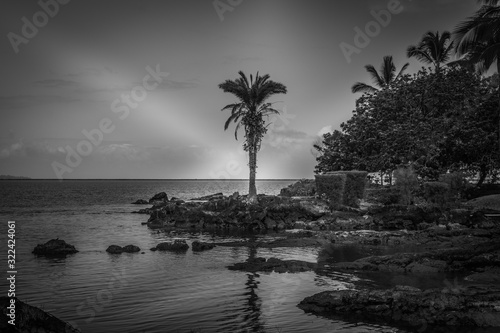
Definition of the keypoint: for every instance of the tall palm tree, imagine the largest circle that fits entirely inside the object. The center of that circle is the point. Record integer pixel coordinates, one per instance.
(433, 49)
(249, 111)
(478, 40)
(384, 79)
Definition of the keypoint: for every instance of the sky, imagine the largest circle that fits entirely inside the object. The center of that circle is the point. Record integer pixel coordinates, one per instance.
(124, 89)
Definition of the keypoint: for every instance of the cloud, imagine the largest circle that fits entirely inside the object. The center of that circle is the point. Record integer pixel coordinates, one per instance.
(56, 83)
(286, 138)
(24, 101)
(324, 130)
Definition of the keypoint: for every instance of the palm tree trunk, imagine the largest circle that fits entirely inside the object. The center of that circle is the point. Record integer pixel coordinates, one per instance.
(252, 190)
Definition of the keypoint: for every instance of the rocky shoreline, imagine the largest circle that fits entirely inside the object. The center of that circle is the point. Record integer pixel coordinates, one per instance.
(422, 242)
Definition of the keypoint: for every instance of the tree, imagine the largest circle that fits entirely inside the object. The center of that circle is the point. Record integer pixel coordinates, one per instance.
(435, 122)
(478, 40)
(249, 111)
(386, 77)
(433, 49)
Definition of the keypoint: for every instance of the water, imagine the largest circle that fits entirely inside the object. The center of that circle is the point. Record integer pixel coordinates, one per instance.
(151, 291)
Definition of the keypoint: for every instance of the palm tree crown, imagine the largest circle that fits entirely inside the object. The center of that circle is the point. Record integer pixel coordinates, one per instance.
(386, 77)
(249, 111)
(478, 37)
(433, 49)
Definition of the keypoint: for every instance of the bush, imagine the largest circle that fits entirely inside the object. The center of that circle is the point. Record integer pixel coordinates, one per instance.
(437, 193)
(332, 187)
(457, 182)
(406, 183)
(354, 188)
(383, 195)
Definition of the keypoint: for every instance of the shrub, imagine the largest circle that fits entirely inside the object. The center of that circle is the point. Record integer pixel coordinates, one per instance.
(437, 193)
(457, 182)
(406, 183)
(354, 188)
(383, 195)
(332, 187)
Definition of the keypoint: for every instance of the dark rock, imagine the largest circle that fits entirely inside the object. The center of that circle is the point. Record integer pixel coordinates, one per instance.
(408, 306)
(162, 196)
(30, 319)
(273, 264)
(114, 249)
(302, 188)
(177, 245)
(201, 246)
(131, 249)
(140, 202)
(54, 247)
(154, 249)
(216, 196)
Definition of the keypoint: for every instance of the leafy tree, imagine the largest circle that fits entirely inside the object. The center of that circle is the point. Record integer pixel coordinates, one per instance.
(249, 111)
(383, 79)
(478, 40)
(433, 49)
(433, 121)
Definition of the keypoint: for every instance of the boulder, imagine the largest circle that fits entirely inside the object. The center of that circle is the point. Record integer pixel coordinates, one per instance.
(408, 306)
(162, 196)
(216, 196)
(198, 246)
(178, 245)
(54, 247)
(131, 249)
(302, 188)
(114, 249)
(31, 319)
(140, 202)
(260, 264)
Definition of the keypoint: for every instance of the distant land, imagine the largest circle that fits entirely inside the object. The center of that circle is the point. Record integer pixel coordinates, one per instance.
(7, 177)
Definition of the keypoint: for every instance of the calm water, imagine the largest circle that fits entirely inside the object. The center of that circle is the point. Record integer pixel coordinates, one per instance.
(150, 292)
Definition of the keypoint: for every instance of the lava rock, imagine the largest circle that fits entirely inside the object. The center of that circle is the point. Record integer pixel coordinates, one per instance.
(30, 319)
(54, 247)
(179, 245)
(201, 246)
(162, 196)
(140, 202)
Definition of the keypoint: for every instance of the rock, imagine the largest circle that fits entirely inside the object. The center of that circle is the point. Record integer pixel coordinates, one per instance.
(273, 264)
(162, 196)
(404, 305)
(131, 249)
(140, 202)
(201, 246)
(114, 249)
(31, 319)
(54, 247)
(177, 245)
(302, 188)
(216, 196)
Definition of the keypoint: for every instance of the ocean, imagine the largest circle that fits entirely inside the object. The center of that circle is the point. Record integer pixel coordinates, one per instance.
(151, 291)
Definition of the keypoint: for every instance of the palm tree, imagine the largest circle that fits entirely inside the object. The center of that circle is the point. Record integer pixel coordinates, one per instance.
(478, 40)
(433, 49)
(383, 80)
(249, 112)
